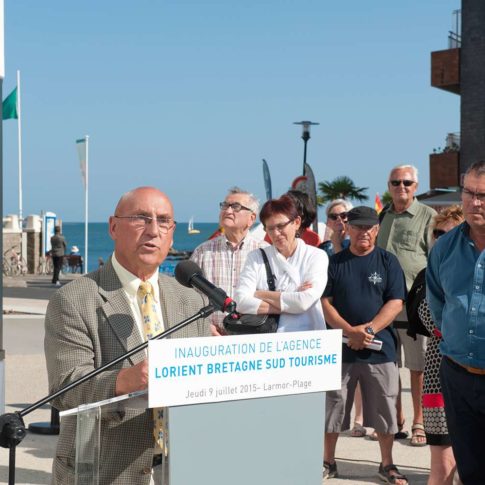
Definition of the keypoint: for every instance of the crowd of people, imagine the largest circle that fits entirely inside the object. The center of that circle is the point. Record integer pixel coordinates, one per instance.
(408, 277)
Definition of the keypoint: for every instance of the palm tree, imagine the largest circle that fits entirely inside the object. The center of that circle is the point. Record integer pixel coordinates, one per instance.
(386, 198)
(340, 188)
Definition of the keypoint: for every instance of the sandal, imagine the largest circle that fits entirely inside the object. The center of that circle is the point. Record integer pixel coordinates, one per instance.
(401, 435)
(388, 477)
(329, 470)
(358, 431)
(373, 436)
(418, 437)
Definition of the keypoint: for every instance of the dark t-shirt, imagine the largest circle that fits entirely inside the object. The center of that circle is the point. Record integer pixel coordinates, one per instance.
(359, 287)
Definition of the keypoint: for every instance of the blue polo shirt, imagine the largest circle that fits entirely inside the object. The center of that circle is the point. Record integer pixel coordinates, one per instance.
(359, 287)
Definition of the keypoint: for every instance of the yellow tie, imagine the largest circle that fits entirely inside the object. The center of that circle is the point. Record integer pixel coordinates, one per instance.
(152, 327)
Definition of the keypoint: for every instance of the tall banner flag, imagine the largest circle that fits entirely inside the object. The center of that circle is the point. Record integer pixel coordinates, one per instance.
(9, 106)
(312, 192)
(81, 151)
(82, 146)
(267, 180)
(378, 204)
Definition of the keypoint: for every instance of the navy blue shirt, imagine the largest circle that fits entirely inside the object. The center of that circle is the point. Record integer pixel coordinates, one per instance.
(359, 287)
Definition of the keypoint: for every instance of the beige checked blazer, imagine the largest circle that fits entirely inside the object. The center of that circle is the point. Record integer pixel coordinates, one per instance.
(89, 323)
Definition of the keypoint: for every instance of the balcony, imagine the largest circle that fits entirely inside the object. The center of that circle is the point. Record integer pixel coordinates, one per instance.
(444, 170)
(445, 70)
(444, 164)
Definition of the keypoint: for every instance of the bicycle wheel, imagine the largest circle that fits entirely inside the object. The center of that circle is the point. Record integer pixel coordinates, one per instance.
(15, 268)
(7, 270)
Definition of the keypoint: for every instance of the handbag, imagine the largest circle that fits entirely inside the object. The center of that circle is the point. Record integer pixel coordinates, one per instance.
(416, 295)
(241, 324)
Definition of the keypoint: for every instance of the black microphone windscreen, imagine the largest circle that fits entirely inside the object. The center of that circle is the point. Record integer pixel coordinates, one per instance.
(185, 271)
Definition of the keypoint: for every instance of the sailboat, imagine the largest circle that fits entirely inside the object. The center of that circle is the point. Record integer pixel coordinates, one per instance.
(190, 228)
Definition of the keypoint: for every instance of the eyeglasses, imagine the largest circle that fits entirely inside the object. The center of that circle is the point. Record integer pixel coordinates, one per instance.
(278, 227)
(164, 224)
(438, 232)
(406, 183)
(235, 206)
(341, 215)
(468, 194)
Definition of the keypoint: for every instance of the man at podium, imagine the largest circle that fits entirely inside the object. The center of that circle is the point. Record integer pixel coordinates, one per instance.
(98, 317)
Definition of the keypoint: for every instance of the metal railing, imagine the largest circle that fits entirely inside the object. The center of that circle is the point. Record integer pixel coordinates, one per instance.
(454, 35)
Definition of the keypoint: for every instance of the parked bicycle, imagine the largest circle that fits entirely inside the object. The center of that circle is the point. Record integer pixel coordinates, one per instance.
(13, 263)
(45, 265)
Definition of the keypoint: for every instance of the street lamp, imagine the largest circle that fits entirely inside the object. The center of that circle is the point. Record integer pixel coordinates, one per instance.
(305, 136)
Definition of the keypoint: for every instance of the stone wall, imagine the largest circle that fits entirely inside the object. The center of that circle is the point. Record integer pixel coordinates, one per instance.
(11, 239)
(34, 247)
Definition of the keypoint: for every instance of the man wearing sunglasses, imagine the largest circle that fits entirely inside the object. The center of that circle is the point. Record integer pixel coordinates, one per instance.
(404, 232)
(222, 259)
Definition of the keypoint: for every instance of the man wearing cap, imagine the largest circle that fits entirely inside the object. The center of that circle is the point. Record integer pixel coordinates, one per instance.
(364, 293)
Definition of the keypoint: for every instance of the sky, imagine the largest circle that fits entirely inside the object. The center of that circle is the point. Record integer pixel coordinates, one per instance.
(189, 96)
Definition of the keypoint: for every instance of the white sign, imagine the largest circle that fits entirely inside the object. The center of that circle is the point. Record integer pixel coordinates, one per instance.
(213, 369)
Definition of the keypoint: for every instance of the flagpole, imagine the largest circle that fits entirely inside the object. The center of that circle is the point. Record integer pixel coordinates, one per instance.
(19, 128)
(86, 207)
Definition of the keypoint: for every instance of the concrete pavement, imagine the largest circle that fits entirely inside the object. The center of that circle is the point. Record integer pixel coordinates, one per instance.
(26, 383)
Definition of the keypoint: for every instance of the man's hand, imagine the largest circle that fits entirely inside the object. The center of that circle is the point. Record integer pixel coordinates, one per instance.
(306, 285)
(132, 379)
(217, 331)
(358, 337)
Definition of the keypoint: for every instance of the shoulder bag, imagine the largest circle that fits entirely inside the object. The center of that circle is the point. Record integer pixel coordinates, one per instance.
(240, 324)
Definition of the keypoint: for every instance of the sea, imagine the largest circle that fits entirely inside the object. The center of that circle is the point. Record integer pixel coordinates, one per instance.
(100, 244)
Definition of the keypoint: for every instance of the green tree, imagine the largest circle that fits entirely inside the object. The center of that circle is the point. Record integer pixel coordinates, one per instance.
(340, 188)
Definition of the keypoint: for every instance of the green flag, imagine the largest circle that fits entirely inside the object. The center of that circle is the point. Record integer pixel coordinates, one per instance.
(9, 106)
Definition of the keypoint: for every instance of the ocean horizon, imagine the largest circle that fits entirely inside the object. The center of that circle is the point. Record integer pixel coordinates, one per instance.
(100, 244)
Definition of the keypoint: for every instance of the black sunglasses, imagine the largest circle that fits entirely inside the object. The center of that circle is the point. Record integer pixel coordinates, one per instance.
(341, 215)
(438, 232)
(397, 183)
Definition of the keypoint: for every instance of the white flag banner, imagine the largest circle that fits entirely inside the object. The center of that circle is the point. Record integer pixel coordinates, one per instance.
(81, 150)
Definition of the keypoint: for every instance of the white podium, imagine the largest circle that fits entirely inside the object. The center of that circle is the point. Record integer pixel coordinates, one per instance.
(268, 441)
(264, 440)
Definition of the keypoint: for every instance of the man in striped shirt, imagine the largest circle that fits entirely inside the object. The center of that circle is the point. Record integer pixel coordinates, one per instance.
(222, 259)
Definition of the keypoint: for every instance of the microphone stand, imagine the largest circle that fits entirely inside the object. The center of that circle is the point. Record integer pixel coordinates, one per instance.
(12, 427)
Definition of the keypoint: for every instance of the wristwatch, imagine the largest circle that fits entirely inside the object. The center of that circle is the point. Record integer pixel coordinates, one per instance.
(370, 331)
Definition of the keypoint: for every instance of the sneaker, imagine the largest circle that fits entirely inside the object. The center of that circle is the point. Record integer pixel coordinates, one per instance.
(329, 470)
(58, 283)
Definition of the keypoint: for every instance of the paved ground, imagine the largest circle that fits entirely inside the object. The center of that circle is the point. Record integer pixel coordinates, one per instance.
(26, 383)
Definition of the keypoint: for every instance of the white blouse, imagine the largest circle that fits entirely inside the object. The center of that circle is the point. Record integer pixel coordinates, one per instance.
(300, 310)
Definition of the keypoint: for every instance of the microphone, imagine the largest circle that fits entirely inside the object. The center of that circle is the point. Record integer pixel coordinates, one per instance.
(189, 274)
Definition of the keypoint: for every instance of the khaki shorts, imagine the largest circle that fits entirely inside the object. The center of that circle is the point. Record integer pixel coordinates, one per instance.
(379, 384)
(414, 350)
